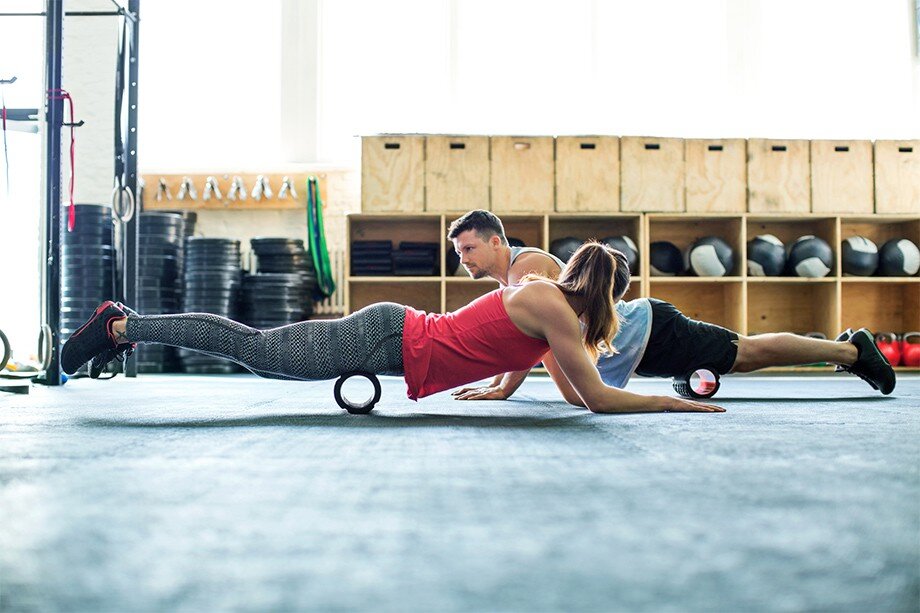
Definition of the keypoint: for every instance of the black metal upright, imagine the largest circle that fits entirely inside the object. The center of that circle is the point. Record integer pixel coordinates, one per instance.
(54, 118)
(130, 257)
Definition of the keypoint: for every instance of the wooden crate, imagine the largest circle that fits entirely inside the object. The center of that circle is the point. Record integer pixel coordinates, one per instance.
(652, 174)
(522, 174)
(456, 173)
(897, 176)
(778, 176)
(716, 175)
(587, 174)
(393, 174)
(841, 176)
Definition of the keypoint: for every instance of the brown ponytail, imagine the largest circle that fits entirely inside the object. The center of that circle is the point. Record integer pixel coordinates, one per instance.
(600, 276)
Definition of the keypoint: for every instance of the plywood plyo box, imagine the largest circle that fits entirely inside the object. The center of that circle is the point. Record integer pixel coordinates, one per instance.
(652, 174)
(841, 176)
(393, 174)
(587, 174)
(897, 176)
(522, 174)
(716, 175)
(456, 173)
(778, 176)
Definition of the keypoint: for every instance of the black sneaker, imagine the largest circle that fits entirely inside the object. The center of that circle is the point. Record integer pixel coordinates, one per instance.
(843, 336)
(871, 365)
(120, 353)
(92, 339)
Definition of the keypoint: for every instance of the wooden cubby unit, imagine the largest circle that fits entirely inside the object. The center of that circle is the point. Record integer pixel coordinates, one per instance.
(683, 230)
(789, 228)
(748, 305)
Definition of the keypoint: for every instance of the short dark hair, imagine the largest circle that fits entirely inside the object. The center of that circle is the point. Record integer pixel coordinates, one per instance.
(483, 222)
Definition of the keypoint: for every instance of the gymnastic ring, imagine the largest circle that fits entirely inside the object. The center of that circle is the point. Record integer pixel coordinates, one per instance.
(44, 346)
(125, 214)
(706, 386)
(357, 409)
(6, 350)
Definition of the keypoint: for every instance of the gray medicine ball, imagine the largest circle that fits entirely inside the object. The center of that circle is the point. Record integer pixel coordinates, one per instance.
(766, 256)
(665, 259)
(810, 256)
(859, 256)
(627, 247)
(899, 257)
(711, 256)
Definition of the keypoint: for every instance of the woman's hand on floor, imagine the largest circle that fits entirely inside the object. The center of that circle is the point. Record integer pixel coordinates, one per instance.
(681, 405)
(479, 393)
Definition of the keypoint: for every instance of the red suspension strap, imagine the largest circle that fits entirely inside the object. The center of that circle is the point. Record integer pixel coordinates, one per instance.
(61, 94)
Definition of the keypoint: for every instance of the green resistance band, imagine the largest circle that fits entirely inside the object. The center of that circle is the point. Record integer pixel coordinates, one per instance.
(317, 239)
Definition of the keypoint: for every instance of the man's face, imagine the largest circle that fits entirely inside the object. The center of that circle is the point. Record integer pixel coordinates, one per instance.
(477, 255)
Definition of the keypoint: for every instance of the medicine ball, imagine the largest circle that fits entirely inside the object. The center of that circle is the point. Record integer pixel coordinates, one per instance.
(766, 256)
(627, 247)
(453, 261)
(859, 256)
(810, 256)
(711, 256)
(515, 242)
(665, 259)
(563, 248)
(899, 257)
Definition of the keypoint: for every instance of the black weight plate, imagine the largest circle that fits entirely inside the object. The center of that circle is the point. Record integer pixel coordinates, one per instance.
(275, 240)
(216, 266)
(215, 244)
(74, 290)
(160, 240)
(88, 249)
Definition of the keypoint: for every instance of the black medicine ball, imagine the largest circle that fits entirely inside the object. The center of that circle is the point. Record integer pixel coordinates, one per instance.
(766, 256)
(627, 247)
(515, 242)
(899, 257)
(563, 248)
(711, 256)
(665, 259)
(810, 256)
(859, 256)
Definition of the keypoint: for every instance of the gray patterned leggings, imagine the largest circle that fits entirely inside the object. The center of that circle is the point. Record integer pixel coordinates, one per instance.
(369, 340)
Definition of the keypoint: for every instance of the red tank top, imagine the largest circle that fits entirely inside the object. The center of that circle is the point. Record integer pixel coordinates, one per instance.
(472, 343)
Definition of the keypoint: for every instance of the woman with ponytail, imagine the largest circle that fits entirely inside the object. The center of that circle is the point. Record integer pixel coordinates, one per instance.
(567, 324)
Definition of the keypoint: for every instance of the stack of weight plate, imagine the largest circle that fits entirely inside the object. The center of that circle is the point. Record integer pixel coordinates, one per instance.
(159, 265)
(288, 256)
(272, 299)
(87, 265)
(212, 280)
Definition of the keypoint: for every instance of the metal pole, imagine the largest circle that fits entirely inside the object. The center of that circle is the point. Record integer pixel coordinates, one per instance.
(54, 117)
(130, 268)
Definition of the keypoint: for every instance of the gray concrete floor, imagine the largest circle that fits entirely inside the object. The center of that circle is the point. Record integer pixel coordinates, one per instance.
(218, 493)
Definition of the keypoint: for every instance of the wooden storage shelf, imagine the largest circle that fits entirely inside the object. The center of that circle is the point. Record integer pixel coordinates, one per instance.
(391, 279)
(714, 302)
(892, 305)
(793, 307)
(748, 305)
(425, 296)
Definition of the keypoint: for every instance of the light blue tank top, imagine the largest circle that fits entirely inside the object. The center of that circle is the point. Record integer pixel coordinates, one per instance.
(631, 339)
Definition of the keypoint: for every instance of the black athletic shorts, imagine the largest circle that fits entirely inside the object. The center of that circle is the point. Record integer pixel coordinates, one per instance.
(678, 345)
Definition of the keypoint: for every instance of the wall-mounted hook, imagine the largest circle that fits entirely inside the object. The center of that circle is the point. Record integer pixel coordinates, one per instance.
(212, 189)
(287, 188)
(163, 191)
(187, 190)
(237, 189)
(262, 188)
